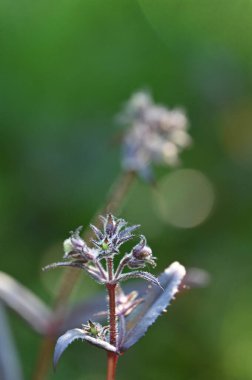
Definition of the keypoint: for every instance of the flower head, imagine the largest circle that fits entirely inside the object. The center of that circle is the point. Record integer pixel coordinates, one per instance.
(155, 134)
(113, 234)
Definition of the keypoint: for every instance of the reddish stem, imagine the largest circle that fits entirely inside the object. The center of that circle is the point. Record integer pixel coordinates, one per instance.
(112, 314)
(112, 357)
(112, 362)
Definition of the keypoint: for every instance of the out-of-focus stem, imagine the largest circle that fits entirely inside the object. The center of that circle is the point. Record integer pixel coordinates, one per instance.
(46, 349)
(113, 204)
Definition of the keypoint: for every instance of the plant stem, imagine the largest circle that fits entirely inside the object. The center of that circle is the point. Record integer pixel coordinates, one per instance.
(112, 303)
(46, 349)
(114, 201)
(112, 362)
(112, 357)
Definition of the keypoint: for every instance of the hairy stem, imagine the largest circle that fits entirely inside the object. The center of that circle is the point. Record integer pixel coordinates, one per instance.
(112, 357)
(114, 202)
(112, 302)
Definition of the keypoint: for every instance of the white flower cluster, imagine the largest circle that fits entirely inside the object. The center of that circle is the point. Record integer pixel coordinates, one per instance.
(155, 134)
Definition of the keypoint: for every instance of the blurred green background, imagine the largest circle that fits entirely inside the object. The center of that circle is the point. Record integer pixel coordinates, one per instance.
(66, 67)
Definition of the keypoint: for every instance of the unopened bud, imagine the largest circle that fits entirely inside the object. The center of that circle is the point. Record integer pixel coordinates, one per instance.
(141, 251)
(68, 247)
(136, 264)
(141, 255)
(76, 248)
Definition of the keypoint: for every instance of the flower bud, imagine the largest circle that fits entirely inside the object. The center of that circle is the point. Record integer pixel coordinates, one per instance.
(141, 255)
(141, 251)
(68, 247)
(75, 247)
(136, 264)
(113, 234)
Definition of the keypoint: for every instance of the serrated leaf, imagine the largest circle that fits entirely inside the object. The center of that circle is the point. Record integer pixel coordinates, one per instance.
(140, 274)
(155, 302)
(72, 335)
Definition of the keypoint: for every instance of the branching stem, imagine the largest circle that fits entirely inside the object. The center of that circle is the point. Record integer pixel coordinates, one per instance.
(120, 267)
(101, 270)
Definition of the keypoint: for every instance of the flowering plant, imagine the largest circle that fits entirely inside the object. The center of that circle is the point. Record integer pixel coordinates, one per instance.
(128, 316)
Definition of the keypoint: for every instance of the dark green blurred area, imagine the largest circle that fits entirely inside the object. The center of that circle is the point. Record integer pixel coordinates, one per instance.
(66, 67)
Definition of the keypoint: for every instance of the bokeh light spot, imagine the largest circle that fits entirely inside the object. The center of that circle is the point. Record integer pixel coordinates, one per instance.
(185, 198)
